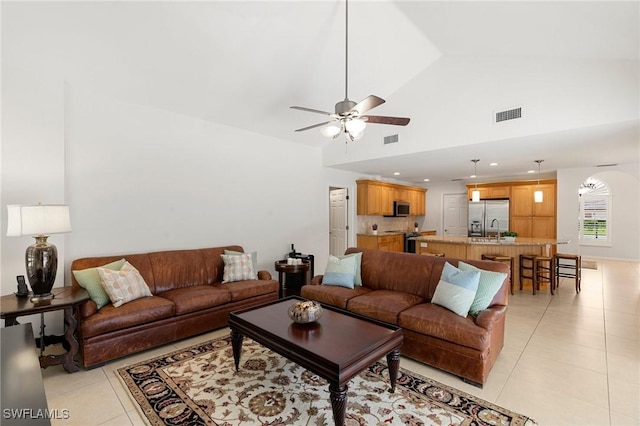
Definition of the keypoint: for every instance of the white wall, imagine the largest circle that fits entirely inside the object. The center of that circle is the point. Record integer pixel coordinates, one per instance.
(141, 179)
(624, 186)
(32, 165)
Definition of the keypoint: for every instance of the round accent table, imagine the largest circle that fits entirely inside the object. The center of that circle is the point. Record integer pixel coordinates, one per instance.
(294, 273)
(65, 298)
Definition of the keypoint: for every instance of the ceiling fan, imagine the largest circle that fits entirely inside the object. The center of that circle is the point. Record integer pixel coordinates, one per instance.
(349, 117)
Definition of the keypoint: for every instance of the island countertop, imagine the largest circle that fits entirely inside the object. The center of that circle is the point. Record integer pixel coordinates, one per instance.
(519, 241)
(474, 248)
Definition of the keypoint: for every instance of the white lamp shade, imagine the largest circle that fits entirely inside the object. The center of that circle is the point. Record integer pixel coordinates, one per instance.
(330, 130)
(355, 126)
(14, 221)
(475, 196)
(38, 220)
(537, 196)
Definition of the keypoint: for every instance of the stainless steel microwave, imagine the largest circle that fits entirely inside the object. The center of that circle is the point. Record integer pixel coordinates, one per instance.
(401, 208)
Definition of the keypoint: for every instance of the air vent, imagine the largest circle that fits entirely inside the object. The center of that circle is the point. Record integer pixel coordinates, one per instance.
(510, 114)
(390, 139)
(606, 165)
(456, 180)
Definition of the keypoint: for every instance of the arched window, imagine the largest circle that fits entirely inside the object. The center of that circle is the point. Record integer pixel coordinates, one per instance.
(595, 213)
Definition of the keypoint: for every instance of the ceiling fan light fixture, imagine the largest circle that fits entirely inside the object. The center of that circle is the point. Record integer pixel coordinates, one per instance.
(355, 125)
(330, 130)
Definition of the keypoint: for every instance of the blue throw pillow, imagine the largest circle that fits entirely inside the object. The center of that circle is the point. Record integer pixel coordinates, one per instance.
(340, 272)
(489, 284)
(456, 289)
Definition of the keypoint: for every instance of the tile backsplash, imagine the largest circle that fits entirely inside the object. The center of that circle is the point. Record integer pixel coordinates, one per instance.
(402, 224)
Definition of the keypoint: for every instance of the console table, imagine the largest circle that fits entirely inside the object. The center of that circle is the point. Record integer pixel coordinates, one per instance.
(65, 298)
(23, 397)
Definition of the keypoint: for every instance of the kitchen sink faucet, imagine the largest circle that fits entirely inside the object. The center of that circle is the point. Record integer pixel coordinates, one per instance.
(498, 234)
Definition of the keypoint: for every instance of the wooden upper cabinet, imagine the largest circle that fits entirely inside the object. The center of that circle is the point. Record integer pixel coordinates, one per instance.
(490, 192)
(376, 198)
(417, 200)
(548, 205)
(531, 219)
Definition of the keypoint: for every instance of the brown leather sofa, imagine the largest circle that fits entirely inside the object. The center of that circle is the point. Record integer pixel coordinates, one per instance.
(189, 298)
(397, 288)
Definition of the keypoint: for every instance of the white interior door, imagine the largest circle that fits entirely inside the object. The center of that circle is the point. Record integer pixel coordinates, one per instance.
(455, 213)
(337, 221)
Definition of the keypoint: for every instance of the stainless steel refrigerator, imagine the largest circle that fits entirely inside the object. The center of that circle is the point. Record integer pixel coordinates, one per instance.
(486, 217)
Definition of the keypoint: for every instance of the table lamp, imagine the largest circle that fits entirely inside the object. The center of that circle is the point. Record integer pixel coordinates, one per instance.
(41, 258)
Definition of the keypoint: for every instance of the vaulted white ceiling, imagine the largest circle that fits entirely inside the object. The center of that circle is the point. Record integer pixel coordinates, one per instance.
(243, 64)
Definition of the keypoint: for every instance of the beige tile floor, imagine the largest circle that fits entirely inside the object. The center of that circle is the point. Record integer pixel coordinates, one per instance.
(568, 360)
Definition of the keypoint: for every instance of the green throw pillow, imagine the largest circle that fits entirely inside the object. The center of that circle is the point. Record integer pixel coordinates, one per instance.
(340, 272)
(89, 279)
(489, 284)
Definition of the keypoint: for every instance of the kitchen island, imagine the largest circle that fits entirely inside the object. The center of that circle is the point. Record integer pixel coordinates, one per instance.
(474, 248)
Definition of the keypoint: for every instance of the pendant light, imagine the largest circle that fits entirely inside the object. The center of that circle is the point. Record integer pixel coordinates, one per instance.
(475, 194)
(537, 194)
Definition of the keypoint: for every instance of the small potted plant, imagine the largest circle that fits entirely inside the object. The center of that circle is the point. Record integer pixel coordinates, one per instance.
(509, 236)
(374, 227)
(415, 226)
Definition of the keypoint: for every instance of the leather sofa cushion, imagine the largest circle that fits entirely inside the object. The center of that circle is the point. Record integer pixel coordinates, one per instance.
(196, 298)
(383, 305)
(439, 322)
(241, 290)
(136, 312)
(177, 269)
(332, 295)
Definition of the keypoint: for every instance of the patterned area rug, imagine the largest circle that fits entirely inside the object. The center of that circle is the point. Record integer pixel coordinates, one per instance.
(199, 386)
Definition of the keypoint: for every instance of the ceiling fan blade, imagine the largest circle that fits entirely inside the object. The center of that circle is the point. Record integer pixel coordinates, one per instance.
(314, 126)
(311, 110)
(367, 103)
(380, 119)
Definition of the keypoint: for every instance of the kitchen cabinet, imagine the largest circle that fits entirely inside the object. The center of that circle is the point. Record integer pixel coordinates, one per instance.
(376, 198)
(393, 242)
(530, 219)
(490, 192)
(417, 200)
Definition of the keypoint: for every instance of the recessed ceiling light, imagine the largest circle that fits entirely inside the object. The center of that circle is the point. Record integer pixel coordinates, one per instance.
(531, 171)
(472, 176)
(396, 173)
(426, 179)
(493, 164)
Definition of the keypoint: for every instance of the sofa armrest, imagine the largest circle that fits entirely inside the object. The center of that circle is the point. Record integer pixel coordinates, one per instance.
(317, 280)
(264, 275)
(490, 316)
(88, 308)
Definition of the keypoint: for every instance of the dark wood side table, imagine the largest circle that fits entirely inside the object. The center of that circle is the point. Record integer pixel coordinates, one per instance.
(65, 298)
(23, 394)
(289, 270)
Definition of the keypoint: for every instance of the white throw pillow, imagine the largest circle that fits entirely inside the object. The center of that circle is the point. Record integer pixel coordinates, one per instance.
(237, 267)
(124, 285)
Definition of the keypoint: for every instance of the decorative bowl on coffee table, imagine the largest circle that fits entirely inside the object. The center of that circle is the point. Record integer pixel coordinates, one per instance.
(305, 312)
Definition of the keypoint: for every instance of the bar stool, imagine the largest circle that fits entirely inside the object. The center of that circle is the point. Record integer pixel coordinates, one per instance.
(525, 271)
(504, 259)
(568, 266)
(543, 271)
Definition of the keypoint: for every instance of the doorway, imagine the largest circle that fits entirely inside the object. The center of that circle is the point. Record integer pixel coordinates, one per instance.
(338, 225)
(456, 212)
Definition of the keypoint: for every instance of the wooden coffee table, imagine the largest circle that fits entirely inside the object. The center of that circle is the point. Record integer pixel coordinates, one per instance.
(337, 347)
